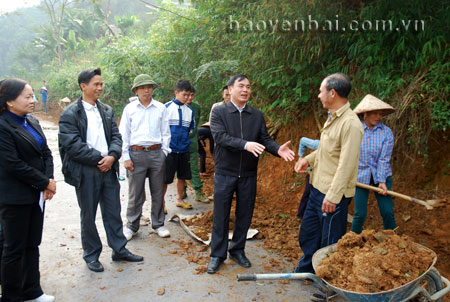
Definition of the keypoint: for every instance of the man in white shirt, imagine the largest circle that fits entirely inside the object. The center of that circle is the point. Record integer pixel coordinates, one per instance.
(90, 146)
(146, 138)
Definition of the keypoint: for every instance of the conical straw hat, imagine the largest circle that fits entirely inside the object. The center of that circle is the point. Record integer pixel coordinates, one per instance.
(371, 103)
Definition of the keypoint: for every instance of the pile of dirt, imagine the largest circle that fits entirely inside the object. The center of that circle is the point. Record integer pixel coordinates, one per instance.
(201, 224)
(373, 261)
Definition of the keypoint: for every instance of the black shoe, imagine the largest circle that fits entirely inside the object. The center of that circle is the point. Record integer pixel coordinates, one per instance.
(213, 265)
(95, 266)
(240, 259)
(128, 256)
(320, 296)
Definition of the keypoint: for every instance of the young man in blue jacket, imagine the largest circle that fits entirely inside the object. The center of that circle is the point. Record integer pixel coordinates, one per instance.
(181, 123)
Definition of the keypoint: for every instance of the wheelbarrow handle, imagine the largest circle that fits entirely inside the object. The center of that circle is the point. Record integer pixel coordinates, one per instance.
(246, 277)
(288, 276)
(435, 296)
(443, 291)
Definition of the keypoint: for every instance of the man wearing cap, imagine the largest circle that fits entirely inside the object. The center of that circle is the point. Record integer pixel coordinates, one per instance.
(146, 138)
(334, 170)
(374, 167)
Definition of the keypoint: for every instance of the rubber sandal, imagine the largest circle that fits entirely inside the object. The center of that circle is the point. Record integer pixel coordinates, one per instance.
(184, 205)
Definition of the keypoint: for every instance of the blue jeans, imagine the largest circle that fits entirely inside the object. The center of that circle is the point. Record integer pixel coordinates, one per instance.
(385, 205)
(318, 230)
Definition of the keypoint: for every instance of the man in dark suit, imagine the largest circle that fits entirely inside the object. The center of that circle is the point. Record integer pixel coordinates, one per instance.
(240, 134)
(90, 146)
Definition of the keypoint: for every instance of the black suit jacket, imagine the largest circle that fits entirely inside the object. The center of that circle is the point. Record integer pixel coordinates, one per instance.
(73, 148)
(231, 131)
(25, 168)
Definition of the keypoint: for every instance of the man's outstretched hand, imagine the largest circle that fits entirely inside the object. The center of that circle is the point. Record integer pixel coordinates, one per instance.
(286, 153)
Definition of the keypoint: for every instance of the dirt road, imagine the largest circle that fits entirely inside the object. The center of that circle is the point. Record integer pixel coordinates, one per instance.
(165, 274)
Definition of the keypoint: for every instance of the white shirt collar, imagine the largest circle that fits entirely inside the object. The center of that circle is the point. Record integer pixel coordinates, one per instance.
(152, 103)
(88, 106)
(237, 107)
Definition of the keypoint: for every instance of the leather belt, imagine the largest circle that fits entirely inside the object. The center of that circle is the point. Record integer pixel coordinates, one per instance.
(143, 148)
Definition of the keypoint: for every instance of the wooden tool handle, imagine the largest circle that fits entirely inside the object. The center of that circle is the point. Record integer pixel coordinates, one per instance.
(392, 193)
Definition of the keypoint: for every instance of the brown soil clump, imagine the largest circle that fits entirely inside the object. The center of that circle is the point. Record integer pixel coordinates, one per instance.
(201, 224)
(374, 261)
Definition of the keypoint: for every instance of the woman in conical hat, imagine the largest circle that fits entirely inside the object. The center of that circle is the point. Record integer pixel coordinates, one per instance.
(374, 167)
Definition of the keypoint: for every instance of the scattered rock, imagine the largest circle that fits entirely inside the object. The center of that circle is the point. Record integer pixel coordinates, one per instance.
(379, 250)
(202, 248)
(427, 231)
(161, 291)
(380, 236)
(200, 270)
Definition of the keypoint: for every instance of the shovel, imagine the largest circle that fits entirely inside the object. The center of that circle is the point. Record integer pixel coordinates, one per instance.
(429, 204)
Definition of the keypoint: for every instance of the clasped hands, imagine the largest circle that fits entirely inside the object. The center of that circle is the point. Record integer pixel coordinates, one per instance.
(50, 190)
(105, 164)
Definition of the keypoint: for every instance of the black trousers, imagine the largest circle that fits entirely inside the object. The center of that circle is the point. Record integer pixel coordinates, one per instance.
(204, 133)
(202, 153)
(104, 188)
(1, 250)
(22, 231)
(224, 187)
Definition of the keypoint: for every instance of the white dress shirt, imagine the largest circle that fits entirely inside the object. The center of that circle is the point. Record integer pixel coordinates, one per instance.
(144, 126)
(95, 132)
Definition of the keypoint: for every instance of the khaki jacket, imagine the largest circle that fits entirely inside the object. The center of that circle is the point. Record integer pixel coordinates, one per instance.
(335, 162)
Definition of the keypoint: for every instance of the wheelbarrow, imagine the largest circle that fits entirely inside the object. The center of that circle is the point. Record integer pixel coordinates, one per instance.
(430, 284)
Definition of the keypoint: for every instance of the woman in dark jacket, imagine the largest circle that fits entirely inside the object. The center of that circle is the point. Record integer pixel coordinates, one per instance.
(26, 180)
